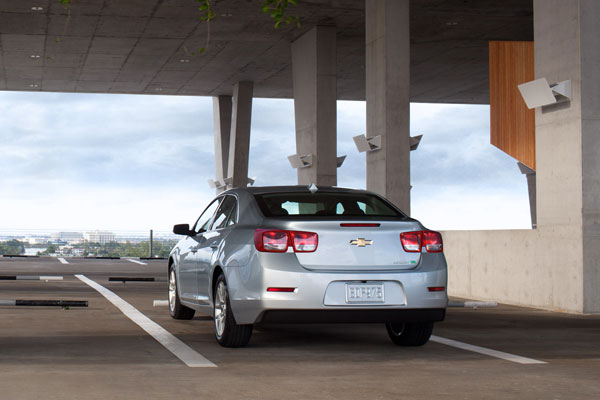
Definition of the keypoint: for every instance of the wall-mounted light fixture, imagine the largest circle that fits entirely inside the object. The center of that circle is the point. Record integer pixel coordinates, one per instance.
(540, 93)
(298, 161)
(216, 184)
(364, 143)
(223, 183)
(374, 143)
(414, 142)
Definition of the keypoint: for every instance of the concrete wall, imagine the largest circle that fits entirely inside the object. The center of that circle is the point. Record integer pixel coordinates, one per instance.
(539, 268)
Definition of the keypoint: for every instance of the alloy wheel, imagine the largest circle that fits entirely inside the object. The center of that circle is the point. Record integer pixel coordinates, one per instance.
(220, 308)
(172, 290)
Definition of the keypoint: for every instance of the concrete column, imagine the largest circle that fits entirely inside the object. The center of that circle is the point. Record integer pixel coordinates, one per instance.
(590, 115)
(222, 132)
(239, 144)
(388, 98)
(530, 175)
(568, 148)
(315, 95)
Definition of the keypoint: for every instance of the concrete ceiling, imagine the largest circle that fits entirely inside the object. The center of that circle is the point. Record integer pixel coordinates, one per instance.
(149, 46)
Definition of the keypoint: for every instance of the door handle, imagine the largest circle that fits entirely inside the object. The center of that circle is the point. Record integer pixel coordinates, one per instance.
(214, 246)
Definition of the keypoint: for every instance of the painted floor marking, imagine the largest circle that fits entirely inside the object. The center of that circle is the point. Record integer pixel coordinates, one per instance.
(62, 260)
(181, 350)
(160, 303)
(486, 351)
(136, 261)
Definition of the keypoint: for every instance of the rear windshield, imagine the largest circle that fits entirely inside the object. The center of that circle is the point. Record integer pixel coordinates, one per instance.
(322, 204)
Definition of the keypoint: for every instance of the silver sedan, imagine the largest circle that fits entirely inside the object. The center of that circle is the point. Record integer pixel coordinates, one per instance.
(293, 254)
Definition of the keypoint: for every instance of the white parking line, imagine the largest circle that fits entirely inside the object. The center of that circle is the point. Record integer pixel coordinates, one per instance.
(486, 351)
(160, 303)
(181, 350)
(136, 261)
(62, 260)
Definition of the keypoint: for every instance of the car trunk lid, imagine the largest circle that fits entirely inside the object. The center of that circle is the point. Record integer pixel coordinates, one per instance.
(356, 245)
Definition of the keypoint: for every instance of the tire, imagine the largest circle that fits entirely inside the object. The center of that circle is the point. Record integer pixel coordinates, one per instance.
(227, 332)
(415, 334)
(176, 309)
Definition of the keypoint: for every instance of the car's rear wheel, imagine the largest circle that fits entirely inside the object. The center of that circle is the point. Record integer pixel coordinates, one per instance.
(227, 332)
(413, 334)
(176, 309)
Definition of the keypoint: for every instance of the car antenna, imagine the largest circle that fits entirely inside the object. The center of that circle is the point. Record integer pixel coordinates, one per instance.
(313, 188)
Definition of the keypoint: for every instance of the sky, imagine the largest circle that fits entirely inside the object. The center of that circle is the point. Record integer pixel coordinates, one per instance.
(130, 163)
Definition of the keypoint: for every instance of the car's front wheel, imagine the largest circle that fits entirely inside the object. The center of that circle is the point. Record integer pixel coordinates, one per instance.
(413, 334)
(227, 331)
(177, 310)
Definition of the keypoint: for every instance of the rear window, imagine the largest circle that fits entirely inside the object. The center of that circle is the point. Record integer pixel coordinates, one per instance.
(323, 204)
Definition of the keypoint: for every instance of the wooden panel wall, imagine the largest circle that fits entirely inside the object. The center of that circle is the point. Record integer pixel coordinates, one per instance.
(512, 125)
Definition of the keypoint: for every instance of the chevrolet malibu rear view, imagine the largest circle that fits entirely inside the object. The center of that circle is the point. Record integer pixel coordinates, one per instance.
(294, 254)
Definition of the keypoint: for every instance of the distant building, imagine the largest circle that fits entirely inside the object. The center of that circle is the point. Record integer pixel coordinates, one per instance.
(67, 237)
(36, 239)
(101, 237)
(65, 250)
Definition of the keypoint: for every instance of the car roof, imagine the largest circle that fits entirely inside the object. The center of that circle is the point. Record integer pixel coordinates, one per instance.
(300, 189)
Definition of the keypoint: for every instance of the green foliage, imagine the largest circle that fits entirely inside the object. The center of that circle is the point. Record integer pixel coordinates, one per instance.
(12, 247)
(277, 10)
(51, 249)
(206, 11)
(198, 51)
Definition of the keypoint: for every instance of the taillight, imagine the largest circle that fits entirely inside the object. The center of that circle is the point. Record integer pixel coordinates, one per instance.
(432, 241)
(413, 242)
(278, 241)
(271, 240)
(304, 242)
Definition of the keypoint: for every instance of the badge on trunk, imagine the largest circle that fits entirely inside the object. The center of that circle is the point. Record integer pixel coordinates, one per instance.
(361, 242)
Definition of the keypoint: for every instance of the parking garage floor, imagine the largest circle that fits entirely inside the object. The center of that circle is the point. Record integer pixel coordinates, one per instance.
(99, 352)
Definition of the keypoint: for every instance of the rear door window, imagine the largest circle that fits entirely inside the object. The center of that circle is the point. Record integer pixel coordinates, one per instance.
(226, 214)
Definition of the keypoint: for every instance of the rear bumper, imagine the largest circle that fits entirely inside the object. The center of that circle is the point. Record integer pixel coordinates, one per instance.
(319, 296)
(351, 316)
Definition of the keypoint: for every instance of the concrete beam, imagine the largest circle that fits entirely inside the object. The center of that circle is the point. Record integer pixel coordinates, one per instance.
(315, 96)
(239, 144)
(388, 98)
(222, 132)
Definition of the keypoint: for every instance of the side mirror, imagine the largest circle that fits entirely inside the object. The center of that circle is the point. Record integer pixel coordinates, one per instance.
(183, 229)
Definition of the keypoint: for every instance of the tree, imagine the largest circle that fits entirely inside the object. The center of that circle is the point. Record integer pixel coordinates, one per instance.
(12, 247)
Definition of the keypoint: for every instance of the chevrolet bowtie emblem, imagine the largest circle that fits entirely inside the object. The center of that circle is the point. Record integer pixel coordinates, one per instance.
(361, 242)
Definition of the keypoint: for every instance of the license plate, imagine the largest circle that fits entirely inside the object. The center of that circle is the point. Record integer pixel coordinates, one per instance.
(364, 293)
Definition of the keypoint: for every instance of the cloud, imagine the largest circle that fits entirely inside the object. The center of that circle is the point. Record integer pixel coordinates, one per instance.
(125, 162)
